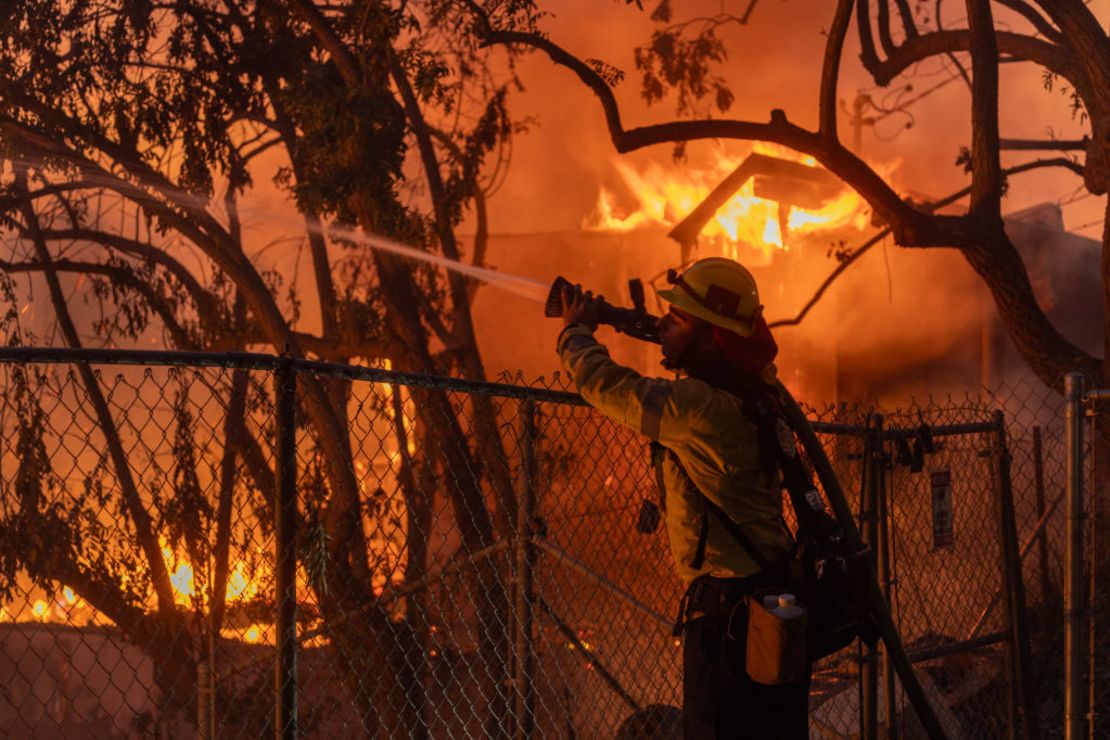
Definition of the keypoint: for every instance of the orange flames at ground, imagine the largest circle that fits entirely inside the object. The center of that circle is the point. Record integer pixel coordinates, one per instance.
(250, 579)
(242, 587)
(667, 195)
(69, 608)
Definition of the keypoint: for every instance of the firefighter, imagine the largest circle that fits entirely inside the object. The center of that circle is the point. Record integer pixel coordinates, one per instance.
(707, 444)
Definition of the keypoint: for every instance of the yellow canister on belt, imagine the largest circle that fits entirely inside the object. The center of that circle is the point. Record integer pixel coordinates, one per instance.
(776, 644)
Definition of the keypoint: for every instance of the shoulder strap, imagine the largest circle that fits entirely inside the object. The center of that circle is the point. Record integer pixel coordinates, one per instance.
(776, 443)
(775, 433)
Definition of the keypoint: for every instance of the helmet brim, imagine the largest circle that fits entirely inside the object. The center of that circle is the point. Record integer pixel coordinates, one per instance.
(678, 297)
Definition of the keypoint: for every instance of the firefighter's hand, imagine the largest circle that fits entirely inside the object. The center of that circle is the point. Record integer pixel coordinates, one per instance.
(580, 307)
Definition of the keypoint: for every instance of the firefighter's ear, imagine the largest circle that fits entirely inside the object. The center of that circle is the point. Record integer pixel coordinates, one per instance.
(704, 347)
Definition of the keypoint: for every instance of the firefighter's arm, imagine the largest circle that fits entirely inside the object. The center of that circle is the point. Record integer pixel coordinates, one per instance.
(650, 406)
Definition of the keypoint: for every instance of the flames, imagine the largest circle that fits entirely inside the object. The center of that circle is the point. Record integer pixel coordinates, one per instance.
(242, 588)
(746, 220)
(189, 592)
(251, 575)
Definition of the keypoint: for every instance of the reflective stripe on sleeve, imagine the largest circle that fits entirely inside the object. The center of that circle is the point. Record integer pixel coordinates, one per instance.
(654, 401)
(577, 342)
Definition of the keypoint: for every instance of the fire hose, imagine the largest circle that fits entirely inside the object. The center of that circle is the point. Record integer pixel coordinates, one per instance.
(880, 611)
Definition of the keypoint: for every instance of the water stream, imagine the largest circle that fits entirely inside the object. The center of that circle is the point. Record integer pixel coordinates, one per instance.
(533, 290)
(527, 288)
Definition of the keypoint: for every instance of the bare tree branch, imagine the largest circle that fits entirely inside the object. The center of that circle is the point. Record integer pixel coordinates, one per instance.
(1035, 144)
(1057, 59)
(882, 234)
(830, 73)
(868, 54)
(906, 14)
(883, 21)
(140, 517)
(1084, 34)
(986, 169)
(832, 278)
(1037, 20)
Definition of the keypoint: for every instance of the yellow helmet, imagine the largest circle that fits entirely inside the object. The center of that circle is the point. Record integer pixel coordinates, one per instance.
(718, 290)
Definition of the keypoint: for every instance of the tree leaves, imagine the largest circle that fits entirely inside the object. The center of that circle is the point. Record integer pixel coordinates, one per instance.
(612, 75)
(675, 61)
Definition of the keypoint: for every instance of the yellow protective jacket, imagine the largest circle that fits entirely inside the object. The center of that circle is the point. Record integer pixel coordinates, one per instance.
(717, 445)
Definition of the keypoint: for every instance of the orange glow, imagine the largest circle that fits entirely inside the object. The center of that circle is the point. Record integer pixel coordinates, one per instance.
(667, 195)
(239, 586)
(243, 585)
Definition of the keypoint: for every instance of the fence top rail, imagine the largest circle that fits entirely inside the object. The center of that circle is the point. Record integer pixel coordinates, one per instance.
(273, 363)
(937, 430)
(261, 361)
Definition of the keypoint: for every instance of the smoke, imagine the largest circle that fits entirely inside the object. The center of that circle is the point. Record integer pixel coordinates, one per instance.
(900, 322)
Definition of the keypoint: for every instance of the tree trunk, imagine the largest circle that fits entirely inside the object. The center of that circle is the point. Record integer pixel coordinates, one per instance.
(1049, 353)
(463, 476)
(375, 655)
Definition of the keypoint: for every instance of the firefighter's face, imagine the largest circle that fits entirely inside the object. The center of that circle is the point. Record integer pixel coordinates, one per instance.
(678, 331)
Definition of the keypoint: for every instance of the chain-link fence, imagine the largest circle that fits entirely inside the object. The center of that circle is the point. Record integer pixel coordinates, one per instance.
(463, 558)
(932, 497)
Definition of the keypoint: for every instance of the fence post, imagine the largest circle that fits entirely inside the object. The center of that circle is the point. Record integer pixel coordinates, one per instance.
(285, 555)
(205, 719)
(873, 453)
(886, 579)
(1073, 561)
(1038, 488)
(524, 555)
(1022, 699)
(1098, 677)
(206, 676)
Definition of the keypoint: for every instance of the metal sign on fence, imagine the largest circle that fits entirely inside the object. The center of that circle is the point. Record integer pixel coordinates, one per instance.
(940, 484)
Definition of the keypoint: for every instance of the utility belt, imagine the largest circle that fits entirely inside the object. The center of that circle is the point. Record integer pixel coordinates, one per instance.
(716, 597)
(773, 641)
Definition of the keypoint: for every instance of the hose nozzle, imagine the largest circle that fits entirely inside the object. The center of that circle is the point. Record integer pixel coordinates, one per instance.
(635, 322)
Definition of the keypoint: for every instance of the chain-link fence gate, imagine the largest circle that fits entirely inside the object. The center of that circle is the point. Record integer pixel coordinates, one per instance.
(935, 501)
(237, 545)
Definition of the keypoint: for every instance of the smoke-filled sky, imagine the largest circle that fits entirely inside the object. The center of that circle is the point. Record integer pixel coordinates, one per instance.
(774, 62)
(558, 168)
(560, 165)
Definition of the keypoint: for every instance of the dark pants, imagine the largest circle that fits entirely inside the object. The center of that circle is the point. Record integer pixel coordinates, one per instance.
(719, 701)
